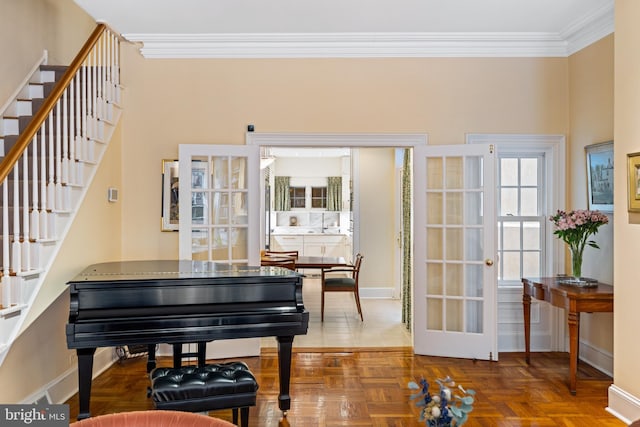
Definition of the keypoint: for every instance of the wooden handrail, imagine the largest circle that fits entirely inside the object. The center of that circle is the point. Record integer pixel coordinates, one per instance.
(38, 119)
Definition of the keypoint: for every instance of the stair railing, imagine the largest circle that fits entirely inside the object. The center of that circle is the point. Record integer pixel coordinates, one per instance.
(38, 172)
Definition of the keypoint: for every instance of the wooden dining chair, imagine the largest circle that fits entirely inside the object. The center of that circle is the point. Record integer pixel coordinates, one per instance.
(342, 282)
(269, 253)
(285, 262)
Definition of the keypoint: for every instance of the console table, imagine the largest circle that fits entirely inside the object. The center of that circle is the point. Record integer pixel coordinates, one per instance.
(575, 300)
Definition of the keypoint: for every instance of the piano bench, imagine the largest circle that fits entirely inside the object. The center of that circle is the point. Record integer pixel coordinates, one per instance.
(205, 388)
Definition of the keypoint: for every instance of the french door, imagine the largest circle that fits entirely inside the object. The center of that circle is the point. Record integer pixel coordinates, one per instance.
(455, 283)
(219, 211)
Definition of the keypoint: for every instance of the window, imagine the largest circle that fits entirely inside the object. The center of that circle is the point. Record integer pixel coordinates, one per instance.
(297, 195)
(319, 197)
(521, 218)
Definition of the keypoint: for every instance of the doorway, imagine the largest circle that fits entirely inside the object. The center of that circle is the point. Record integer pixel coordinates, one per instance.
(367, 208)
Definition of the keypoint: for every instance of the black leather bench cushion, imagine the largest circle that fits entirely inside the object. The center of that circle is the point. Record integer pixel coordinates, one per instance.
(209, 387)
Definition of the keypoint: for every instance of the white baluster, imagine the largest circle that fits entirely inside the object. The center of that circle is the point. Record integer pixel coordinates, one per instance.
(71, 165)
(16, 290)
(26, 244)
(83, 141)
(65, 188)
(58, 160)
(51, 191)
(64, 176)
(34, 230)
(109, 81)
(34, 226)
(116, 69)
(6, 280)
(98, 50)
(94, 97)
(44, 233)
(16, 251)
(51, 188)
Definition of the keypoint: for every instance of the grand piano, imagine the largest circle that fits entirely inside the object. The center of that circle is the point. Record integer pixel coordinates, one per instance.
(174, 302)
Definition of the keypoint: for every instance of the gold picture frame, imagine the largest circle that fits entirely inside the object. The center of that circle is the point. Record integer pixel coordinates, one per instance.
(170, 219)
(633, 170)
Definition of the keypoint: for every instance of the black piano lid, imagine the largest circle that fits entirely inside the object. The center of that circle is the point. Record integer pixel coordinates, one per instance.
(173, 269)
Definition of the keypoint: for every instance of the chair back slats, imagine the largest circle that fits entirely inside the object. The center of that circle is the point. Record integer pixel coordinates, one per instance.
(269, 253)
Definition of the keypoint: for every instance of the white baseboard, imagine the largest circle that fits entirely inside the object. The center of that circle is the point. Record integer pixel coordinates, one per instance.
(623, 405)
(220, 349)
(596, 357)
(377, 293)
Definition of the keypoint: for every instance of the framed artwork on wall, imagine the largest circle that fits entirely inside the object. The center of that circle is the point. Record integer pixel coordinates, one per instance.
(600, 176)
(170, 195)
(633, 170)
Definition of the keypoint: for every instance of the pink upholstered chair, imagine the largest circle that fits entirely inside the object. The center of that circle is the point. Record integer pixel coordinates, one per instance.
(156, 418)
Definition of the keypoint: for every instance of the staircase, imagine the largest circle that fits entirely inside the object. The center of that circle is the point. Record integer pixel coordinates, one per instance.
(52, 136)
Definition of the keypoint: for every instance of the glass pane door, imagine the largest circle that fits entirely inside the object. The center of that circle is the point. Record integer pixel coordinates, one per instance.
(455, 228)
(215, 212)
(219, 215)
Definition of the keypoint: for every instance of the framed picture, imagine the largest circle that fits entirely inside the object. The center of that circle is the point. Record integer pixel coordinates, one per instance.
(600, 176)
(170, 195)
(633, 169)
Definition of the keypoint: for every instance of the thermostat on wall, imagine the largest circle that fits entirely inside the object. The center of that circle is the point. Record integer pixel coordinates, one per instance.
(112, 194)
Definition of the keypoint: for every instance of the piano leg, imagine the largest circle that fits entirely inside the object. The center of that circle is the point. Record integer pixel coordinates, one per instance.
(177, 355)
(284, 368)
(151, 357)
(85, 372)
(202, 353)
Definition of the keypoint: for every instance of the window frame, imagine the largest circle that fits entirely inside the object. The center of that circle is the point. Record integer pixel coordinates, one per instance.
(293, 198)
(322, 198)
(554, 149)
(517, 217)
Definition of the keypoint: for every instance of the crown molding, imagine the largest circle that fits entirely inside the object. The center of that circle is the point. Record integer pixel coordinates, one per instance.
(589, 29)
(578, 35)
(348, 45)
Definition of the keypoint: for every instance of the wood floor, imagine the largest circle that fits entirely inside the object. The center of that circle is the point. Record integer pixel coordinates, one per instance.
(351, 373)
(366, 387)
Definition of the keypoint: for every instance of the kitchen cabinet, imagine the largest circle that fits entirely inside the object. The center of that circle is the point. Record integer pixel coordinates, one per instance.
(324, 245)
(313, 244)
(287, 243)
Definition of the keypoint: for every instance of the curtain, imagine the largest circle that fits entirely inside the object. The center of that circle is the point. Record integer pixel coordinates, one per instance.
(281, 198)
(406, 239)
(334, 193)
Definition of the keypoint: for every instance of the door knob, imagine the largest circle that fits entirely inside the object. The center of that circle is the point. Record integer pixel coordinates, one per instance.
(489, 262)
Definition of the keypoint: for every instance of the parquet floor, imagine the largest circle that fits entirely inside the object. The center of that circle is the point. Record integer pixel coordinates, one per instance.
(365, 387)
(351, 373)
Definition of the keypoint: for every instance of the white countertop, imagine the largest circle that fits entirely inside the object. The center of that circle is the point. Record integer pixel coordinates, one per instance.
(303, 231)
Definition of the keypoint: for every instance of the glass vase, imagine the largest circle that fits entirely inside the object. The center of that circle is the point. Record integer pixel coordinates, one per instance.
(576, 262)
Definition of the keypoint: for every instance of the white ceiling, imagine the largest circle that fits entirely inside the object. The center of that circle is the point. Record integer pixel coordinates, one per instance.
(342, 28)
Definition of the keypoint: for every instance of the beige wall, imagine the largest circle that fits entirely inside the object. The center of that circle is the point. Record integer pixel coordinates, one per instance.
(170, 102)
(31, 27)
(22, 44)
(377, 197)
(591, 118)
(627, 226)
